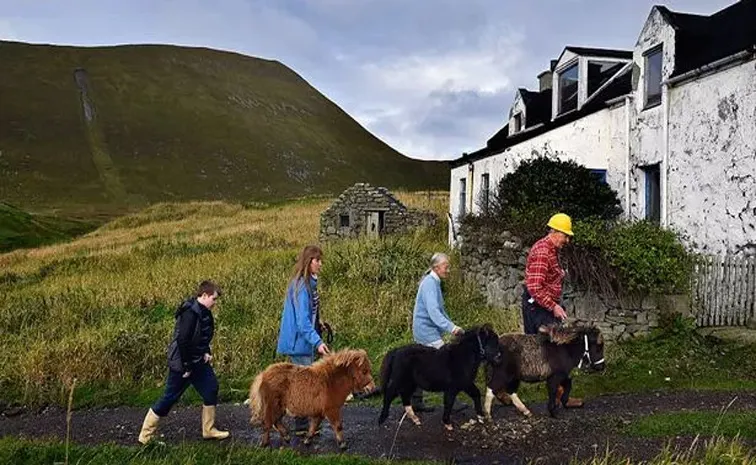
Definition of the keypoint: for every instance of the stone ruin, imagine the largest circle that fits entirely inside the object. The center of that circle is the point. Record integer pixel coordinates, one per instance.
(372, 211)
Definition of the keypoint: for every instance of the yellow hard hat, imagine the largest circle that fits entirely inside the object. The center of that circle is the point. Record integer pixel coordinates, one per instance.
(562, 223)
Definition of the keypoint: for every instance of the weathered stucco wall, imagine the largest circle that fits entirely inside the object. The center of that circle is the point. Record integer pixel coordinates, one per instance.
(647, 122)
(712, 179)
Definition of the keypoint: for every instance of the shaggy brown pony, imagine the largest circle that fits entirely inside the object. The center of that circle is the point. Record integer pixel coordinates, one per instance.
(549, 356)
(315, 391)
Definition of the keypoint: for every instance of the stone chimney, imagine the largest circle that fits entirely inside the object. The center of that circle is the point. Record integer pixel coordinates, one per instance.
(544, 79)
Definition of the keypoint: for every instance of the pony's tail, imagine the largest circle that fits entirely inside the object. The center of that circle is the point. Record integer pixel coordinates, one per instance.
(384, 376)
(255, 402)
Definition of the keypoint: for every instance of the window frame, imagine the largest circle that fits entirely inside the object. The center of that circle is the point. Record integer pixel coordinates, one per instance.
(652, 204)
(567, 67)
(657, 98)
(462, 206)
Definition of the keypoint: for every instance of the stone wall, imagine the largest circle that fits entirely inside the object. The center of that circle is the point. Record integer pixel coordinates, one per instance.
(496, 263)
(356, 202)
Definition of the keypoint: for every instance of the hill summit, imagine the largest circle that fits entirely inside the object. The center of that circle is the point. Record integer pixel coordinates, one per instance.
(118, 127)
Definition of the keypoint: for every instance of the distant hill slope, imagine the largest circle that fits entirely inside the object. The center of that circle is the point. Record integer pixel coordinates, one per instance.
(112, 127)
(19, 229)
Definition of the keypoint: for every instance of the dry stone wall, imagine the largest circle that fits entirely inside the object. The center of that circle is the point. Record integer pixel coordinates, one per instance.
(495, 261)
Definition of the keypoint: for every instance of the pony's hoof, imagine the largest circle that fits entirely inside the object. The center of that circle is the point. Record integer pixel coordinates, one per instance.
(449, 427)
(264, 444)
(481, 418)
(343, 445)
(528, 414)
(307, 441)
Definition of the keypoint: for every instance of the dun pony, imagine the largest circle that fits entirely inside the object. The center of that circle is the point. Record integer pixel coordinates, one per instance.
(317, 391)
(549, 356)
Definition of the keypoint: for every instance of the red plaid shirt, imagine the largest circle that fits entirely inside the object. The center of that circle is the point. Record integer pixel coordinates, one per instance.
(543, 274)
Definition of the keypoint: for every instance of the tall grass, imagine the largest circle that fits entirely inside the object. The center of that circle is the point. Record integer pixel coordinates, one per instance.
(100, 309)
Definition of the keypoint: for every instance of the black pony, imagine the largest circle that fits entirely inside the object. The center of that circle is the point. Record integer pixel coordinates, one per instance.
(549, 356)
(450, 369)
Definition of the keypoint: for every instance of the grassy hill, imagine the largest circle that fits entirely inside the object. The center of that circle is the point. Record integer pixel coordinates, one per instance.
(91, 130)
(19, 229)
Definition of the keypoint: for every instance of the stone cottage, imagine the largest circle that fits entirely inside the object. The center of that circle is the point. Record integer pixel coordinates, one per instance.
(372, 211)
(670, 124)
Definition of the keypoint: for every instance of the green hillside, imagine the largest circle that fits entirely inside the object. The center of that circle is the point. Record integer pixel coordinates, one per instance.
(167, 123)
(19, 229)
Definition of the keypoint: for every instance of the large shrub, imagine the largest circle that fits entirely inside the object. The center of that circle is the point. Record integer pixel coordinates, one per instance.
(552, 185)
(524, 200)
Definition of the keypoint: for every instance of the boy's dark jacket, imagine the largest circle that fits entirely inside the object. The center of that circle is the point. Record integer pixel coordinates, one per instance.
(192, 334)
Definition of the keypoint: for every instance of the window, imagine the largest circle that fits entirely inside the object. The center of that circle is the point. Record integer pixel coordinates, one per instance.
(485, 180)
(653, 193)
(600, 174)
(568, 89)
(653, 76)
(599, 73)
(462, 196)
(344, 221)
(517, 122)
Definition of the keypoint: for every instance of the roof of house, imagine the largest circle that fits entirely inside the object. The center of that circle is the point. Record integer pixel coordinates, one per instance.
(538, 106)
(601, 52)
(701, 40)
(620, 85)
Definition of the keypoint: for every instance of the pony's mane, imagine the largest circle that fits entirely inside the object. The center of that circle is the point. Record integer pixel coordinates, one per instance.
(344, 357)
(562, 335)
(468, 334)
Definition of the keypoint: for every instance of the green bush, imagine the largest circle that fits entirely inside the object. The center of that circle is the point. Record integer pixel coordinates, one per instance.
(638, 257)
(548, 185)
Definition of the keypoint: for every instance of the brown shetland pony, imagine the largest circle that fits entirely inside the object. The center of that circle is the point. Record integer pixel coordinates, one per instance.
(315, 391)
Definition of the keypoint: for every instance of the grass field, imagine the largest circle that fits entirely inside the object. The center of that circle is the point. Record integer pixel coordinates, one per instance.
(100, 308)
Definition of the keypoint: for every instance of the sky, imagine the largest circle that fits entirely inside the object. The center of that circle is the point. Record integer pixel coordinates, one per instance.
(431, 78)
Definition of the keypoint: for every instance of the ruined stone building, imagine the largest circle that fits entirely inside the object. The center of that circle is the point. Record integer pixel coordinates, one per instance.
(670, 124)
(364, 210)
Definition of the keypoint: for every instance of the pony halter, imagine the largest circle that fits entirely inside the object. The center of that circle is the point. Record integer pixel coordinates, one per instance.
(481, 350)
(587, 355)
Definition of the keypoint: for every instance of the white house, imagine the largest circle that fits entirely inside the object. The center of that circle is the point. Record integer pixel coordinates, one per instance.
(670, 125)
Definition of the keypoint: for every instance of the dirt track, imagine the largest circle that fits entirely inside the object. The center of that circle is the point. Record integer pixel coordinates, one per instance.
(509, 439)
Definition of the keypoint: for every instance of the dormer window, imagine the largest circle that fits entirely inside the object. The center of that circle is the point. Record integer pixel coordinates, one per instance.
(653, 76)
(568, 89)
(517, 123)
(600, 72)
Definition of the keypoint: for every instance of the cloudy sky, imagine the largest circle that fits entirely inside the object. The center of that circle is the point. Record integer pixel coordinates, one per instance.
(432, 78)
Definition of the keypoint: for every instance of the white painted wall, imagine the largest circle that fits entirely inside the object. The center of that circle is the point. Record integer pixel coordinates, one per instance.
(596, 141)
(712, 158)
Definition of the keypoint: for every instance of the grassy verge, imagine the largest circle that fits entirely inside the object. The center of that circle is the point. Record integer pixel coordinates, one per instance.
(718, 451)
(733, 424)
(23, 452)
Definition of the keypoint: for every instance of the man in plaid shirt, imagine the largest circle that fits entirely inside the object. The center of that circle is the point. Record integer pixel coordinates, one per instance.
(542, 292)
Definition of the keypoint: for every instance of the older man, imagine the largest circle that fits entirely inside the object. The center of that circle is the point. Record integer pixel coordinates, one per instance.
(542, 292)
(429, 318)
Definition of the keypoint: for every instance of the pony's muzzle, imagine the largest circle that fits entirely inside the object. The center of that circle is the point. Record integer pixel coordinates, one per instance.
(369, 388)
